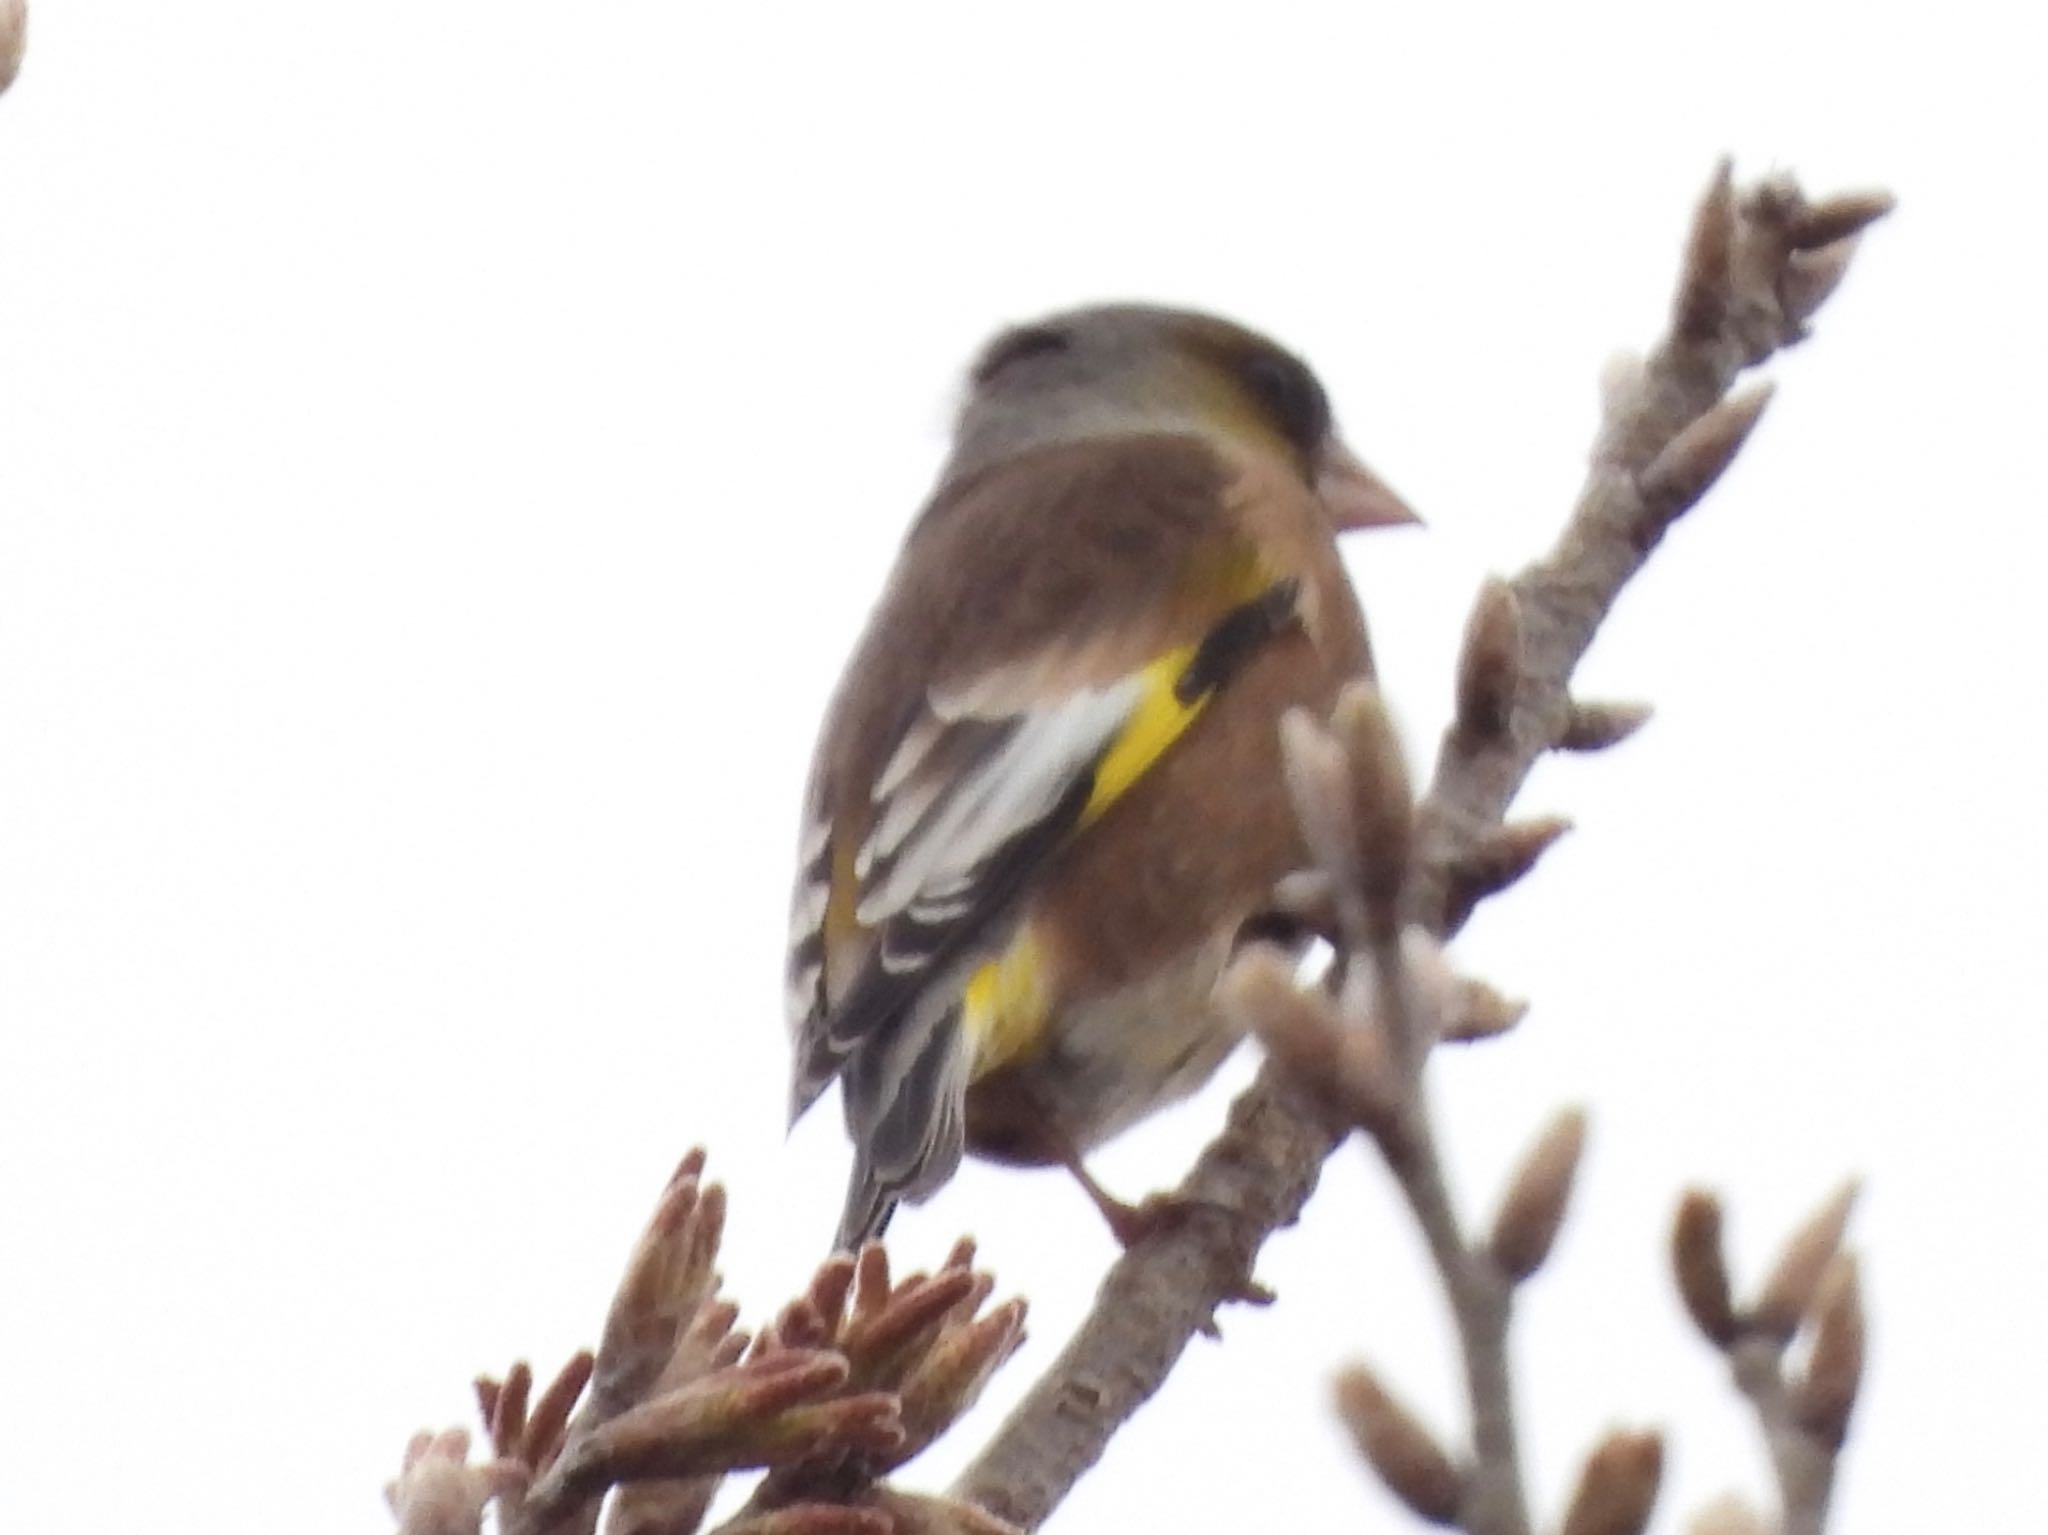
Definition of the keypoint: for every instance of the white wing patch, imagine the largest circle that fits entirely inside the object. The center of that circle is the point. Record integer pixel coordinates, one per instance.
(934, 834)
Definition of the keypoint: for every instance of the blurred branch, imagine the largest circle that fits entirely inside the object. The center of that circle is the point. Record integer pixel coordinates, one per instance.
(1362, 1050)
(13, 39)
(1758, 264)
(1362, 1053)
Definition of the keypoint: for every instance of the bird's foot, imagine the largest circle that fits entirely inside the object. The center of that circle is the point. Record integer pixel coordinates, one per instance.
(1154, 1216)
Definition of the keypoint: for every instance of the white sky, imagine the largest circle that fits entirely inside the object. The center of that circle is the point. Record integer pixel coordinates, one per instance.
(446, 448)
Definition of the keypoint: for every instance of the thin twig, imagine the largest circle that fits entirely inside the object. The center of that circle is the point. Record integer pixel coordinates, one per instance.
(1479, 1292)
(1803, 1467)
(1480, 1298)
(1803, 1417)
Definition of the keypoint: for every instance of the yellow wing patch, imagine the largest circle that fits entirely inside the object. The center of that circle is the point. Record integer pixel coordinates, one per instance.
(1155, 724)
(1227, 574)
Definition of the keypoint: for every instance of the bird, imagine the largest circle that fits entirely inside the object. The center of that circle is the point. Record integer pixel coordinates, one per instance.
(1046, 802)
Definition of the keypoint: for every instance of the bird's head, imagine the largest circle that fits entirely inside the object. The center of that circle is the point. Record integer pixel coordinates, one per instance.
(1125, 369)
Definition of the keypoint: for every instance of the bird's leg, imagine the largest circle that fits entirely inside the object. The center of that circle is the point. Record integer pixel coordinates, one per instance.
(1131, 1224)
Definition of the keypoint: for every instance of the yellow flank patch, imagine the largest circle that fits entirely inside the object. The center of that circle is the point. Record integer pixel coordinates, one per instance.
(1004, 1006)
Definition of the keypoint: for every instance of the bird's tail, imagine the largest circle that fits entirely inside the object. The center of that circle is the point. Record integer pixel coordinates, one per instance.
(867, 1213)
(905, 1109)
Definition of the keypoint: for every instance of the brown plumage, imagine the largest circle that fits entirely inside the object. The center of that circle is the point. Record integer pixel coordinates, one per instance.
(1047, 794)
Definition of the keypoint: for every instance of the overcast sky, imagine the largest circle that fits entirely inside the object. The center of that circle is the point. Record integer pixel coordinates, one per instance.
(447, 448)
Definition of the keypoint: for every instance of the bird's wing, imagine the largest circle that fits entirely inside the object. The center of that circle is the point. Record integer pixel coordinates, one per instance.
(991, 773)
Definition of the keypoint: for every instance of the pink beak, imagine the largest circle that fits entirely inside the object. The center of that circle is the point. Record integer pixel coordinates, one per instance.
(1355, 496)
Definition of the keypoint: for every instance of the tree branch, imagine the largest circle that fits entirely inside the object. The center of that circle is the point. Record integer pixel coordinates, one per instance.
(1757, 265)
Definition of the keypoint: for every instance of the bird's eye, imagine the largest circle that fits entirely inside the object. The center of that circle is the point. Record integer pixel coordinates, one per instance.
(1013, 346)
(1291, 396)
